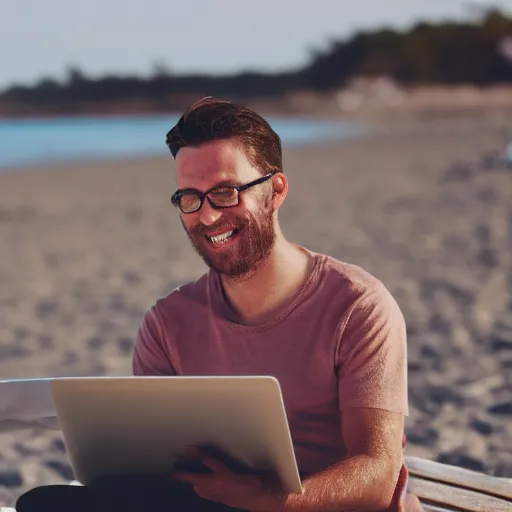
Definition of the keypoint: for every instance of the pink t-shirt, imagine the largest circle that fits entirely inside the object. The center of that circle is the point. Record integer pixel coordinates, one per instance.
(339, 343)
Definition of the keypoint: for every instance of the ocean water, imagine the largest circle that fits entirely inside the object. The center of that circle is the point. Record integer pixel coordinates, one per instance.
(29, 142)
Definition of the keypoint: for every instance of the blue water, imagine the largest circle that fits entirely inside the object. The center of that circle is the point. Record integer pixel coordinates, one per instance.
(29, 142)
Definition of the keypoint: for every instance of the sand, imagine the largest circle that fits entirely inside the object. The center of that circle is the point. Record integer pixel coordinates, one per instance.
(86, 248)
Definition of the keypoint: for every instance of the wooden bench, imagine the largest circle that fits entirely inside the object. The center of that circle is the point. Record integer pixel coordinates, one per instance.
(445, 488)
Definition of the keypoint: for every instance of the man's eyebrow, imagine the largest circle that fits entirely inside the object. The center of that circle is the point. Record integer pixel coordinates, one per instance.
(223, 183)
(227, 183)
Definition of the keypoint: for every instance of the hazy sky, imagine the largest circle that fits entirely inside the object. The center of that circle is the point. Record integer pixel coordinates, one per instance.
(42, 37)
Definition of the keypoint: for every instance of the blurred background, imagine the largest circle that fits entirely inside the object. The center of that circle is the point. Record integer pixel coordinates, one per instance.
(396, 122)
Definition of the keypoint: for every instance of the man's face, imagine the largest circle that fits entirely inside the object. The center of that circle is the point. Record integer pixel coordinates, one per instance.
(250, 225)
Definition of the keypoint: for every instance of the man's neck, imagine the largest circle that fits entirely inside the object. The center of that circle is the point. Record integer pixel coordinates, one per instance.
(277, 279)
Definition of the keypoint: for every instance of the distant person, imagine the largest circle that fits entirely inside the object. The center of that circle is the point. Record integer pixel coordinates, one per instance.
(330, 332)
(508, 152)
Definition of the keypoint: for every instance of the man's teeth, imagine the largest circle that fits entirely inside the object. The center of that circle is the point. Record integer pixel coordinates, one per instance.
(221, 238)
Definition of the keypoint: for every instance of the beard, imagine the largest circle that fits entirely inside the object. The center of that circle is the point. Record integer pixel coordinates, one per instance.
(255, 239)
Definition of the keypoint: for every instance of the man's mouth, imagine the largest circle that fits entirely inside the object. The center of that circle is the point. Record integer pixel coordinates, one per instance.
(222, 238)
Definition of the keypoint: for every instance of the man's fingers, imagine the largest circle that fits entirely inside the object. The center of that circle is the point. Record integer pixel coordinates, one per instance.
(216, 466)
(192, 478)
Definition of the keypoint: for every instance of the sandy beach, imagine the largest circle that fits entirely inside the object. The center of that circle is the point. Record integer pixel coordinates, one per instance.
(86, 248)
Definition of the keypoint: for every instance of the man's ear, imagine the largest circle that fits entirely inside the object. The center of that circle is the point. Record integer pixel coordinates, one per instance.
(280, 189)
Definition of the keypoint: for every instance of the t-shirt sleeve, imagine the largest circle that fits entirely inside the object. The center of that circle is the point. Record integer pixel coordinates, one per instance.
(371, 358)
(149, 355)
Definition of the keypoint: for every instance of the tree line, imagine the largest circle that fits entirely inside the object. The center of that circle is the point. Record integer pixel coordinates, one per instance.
(476, 52)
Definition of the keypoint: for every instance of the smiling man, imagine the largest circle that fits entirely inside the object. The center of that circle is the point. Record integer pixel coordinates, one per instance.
(330, 332)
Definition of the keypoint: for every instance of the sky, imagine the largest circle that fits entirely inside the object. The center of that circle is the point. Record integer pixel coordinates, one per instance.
(42, 38)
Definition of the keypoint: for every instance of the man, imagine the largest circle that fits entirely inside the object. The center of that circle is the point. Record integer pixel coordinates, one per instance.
(330, 332)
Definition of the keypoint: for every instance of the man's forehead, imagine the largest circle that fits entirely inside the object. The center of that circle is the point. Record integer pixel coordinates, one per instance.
(207, 176)
(219, 151)
(210, 164)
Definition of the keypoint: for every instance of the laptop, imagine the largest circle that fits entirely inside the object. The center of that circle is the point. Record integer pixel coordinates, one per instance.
(140, 425)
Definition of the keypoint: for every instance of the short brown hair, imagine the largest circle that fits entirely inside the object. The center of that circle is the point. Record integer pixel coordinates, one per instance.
(213, 119)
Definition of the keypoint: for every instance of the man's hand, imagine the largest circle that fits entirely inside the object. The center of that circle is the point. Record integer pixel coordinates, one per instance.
(250, 492)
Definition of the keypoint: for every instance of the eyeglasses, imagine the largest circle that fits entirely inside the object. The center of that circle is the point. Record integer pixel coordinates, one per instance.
(190, 200)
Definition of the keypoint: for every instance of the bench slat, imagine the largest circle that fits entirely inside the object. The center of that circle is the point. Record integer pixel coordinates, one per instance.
(461, 477)
(444, 495)
(433, 508)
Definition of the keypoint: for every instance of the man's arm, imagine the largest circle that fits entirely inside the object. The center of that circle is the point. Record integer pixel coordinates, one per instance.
(372, 387)
(366, 478)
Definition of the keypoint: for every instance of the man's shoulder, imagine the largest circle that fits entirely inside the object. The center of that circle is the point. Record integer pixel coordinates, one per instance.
(361, 293)
(352, 279)
(186, 296)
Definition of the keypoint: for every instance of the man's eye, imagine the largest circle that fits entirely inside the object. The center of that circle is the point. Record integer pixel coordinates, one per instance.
(223, 192)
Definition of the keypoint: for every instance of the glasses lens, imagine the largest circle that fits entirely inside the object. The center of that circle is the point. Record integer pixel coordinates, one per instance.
(190, 202)
(224, 196)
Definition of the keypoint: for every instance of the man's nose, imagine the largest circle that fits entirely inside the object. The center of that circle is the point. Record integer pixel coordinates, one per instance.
(209, 215)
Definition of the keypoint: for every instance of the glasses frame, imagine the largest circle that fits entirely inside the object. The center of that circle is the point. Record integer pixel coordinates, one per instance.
(176, 197)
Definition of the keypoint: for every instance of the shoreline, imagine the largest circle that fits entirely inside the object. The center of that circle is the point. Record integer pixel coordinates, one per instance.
(307, 132)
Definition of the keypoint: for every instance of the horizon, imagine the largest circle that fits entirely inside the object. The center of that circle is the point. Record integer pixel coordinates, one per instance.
(92, 48)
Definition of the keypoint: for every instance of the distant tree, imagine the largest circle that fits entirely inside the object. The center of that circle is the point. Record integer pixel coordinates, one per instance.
(161, 69)
(74, 75)
(463, 52)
